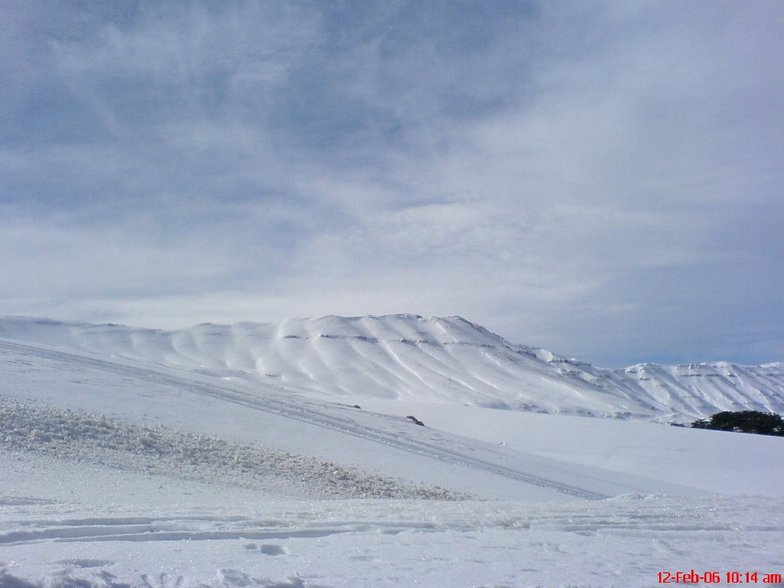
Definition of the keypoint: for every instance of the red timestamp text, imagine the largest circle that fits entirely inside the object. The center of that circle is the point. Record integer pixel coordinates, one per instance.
(716, 577)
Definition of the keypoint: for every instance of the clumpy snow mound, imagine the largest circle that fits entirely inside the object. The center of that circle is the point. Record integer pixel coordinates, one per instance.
(409, 357)
(93, 438)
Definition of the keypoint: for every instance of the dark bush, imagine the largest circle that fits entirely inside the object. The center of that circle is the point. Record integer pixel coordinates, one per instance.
(745, 421)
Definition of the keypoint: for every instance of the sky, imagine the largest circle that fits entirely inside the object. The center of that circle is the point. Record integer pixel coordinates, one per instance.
(602, 179)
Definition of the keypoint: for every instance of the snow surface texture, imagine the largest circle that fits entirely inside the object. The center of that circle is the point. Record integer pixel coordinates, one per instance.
(622, 542)
(405, 357)
(92, 438)
(127, 460)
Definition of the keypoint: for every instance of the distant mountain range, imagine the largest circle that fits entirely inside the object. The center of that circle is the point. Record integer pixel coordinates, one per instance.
(440, 360)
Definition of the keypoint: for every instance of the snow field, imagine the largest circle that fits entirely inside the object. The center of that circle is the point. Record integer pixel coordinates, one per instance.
(620, 542)
(133, 458)
(710, 461)
(250, 414)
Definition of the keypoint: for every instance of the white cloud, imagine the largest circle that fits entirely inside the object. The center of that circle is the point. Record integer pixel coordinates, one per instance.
(567, 173)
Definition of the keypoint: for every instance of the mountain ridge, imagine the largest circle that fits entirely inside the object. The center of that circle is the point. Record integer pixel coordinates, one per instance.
(408, 356)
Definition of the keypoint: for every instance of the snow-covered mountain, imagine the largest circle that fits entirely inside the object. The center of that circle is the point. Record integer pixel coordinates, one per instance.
(408, 357)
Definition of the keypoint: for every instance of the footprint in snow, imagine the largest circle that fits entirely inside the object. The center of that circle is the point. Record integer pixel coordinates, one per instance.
(664, 547)
(162, 580)
(267, 548)
(231, 577)
(86, 563)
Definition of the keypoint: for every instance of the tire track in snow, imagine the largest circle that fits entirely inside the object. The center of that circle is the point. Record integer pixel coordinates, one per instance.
(299, 412)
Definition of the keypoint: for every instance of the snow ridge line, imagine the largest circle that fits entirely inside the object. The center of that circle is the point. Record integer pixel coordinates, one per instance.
(303, 414)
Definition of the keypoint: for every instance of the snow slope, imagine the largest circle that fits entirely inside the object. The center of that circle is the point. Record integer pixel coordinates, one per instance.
(137, 458)
(411, 358)
(251, 414)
